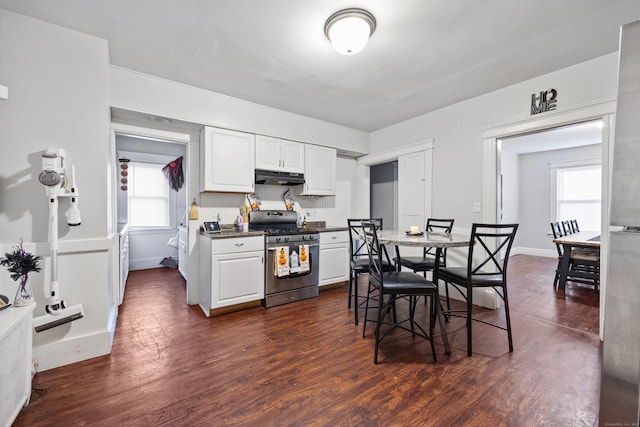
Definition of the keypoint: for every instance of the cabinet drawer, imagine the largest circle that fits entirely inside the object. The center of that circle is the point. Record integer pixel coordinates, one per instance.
(334, 237)
(240, 244)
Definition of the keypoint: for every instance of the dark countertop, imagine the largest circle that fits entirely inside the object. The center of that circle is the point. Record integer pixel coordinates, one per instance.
(322, 226)
(329, 228)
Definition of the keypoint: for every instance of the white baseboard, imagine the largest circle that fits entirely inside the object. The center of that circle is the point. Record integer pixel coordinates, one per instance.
(486, 298)
(65, 352)
(547, 253)
(147, 263)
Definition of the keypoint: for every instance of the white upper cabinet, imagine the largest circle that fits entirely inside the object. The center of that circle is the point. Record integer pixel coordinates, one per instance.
(227, 161)
(277, 154)
(320, 171)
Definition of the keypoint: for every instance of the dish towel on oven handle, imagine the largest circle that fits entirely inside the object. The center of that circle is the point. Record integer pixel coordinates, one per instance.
(304, 258)
(281, 261)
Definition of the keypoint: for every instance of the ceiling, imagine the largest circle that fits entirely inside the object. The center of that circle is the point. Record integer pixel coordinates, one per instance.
(575, 135)
(424, 55)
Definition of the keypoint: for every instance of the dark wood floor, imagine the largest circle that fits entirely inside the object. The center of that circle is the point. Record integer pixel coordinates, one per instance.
(307, 364)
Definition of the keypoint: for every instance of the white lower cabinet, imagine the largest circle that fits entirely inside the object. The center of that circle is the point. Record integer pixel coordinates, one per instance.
(334, 257)
(124, 263)
(16, 341)
(231, 271)
(183, 251)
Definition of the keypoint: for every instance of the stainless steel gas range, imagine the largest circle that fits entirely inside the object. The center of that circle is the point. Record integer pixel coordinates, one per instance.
(291, 270)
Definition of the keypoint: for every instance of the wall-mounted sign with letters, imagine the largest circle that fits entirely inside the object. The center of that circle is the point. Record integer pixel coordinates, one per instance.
(545, 101)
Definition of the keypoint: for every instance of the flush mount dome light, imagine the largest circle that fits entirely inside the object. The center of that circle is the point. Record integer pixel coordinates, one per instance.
(349, 30)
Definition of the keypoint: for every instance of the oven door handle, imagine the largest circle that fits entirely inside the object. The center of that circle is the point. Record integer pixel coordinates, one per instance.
(274, 248)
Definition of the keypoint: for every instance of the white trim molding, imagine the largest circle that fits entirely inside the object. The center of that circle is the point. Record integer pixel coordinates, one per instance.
(393, 154)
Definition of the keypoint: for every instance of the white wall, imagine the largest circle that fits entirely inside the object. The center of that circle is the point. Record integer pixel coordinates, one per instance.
(57, 82)
(510, 171)
(458, 130)
(134, 91)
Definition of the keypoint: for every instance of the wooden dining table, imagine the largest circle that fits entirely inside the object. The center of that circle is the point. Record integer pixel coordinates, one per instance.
(437, 240)
(581, 239)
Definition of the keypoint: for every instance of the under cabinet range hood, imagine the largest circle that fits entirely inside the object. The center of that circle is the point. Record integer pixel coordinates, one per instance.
(278, 178)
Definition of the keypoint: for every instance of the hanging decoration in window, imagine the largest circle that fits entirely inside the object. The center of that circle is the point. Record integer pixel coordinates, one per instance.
(174, 174)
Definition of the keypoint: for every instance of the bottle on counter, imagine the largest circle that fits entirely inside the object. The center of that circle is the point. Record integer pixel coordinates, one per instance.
(194, 212)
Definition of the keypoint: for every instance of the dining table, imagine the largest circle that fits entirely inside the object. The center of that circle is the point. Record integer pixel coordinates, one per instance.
(427, 239)
(581, 239)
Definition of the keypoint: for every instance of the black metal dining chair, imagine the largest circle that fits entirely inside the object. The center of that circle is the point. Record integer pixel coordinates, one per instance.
(486, 268)
(359, 260)
(392, 286)
(567, 228)
(574, 225)
(427, 261)
(584, 263)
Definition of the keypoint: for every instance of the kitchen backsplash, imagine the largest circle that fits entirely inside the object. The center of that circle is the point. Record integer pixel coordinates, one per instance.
(225, 207)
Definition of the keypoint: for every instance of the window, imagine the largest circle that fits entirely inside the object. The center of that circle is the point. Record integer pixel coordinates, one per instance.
(149, 196)
(578, 193)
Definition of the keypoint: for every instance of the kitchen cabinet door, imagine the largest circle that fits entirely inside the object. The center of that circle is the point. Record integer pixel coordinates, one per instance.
(280, 155)
(320, 171)
(227, 162)
(268, 153)
(183, 251)
(237, 278)
(124, 264)
(334, 257)
(292, 156)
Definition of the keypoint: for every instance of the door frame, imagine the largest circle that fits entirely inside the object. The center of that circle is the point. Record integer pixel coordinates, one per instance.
(364, 163)
(191, 168)
(604, 110)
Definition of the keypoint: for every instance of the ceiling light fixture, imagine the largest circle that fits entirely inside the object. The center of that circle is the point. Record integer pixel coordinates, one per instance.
(349, 30)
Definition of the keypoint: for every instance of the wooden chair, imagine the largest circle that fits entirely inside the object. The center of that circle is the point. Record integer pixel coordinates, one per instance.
(359, 259)
(394, 285)
(427, 261)
(486, 268)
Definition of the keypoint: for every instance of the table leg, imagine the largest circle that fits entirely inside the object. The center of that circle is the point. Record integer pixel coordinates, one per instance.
(564, 266)
(443, 331)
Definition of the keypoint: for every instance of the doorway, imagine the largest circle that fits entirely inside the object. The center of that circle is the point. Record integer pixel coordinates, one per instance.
(384, 193)
(152, 209)
(528, 194)
(604, 110)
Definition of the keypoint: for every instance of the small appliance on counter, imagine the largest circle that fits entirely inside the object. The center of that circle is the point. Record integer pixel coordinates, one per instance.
(211, 227)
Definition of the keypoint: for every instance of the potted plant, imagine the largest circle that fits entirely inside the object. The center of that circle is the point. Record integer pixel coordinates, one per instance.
(20, 263)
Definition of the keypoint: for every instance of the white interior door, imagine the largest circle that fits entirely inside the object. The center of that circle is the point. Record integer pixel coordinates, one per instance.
(414, 189)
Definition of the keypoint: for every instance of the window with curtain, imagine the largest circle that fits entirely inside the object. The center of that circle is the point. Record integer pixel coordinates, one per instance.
(578, 195)
(149, 196)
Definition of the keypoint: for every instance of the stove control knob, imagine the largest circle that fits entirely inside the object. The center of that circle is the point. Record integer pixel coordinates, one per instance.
(286, 239)
(278, 239)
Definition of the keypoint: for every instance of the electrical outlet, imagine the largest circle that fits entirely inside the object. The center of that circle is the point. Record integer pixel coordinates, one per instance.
(476, 207)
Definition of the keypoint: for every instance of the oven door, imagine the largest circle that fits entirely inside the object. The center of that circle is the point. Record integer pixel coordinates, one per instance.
(283, 282)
